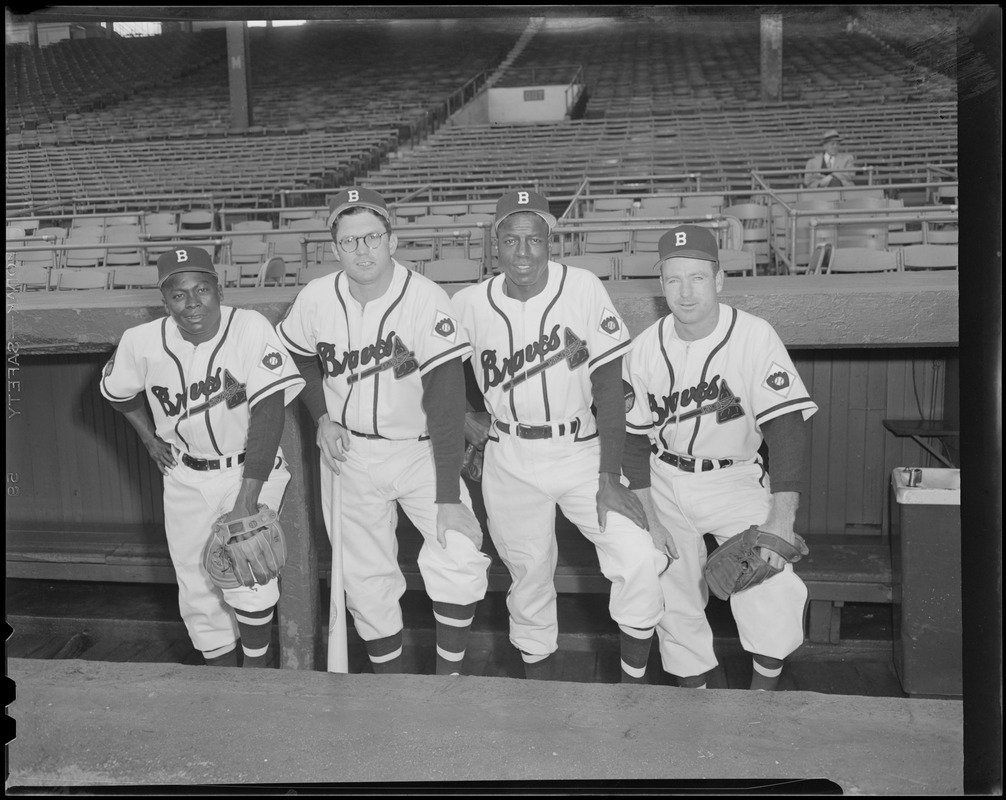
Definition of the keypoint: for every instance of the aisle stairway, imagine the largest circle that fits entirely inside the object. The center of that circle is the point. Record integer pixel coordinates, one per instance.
(533, 26)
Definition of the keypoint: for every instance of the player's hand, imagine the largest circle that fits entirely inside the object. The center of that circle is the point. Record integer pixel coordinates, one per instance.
(781, 518)
(477, 425)
(162, 453)
(333, 441)
(663, 540)
(613, 496)
(458, 517)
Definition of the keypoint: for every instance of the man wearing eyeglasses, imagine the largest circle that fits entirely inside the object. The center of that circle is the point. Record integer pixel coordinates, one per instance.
(381, 350)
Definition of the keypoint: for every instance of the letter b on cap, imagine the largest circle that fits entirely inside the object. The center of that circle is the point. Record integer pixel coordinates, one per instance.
(181, 255)
(523, 198)
(354, 195)
(680, 239)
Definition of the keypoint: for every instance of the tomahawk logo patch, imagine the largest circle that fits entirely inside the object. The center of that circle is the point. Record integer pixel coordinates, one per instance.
(446, 327)
(110, 365)
(272, 359)
(779, 380)
(610, 324)
(630, 396)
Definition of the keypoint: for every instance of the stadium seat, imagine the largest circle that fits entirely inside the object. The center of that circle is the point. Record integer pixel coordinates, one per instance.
(453, 270)
(600, 265)
(929, 256)
(860, 260)
(638, 265)
(80, 279)
(143, 277)
(275, 271)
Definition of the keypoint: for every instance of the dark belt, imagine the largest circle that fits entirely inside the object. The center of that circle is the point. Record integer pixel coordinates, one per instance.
(422, 438)
(204, 464)
(691, 464)
(522, 431)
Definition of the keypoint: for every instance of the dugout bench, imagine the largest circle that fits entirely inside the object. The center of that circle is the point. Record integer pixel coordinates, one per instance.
(838, 570)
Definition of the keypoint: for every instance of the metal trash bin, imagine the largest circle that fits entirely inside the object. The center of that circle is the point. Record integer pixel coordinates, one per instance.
(926, 568)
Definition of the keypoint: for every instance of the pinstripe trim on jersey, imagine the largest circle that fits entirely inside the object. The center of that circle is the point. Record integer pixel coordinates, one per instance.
(670, 373)
(509, 329)
(349, 346)
(181, 377)
(380, 336)
(290, 345)
(209, 371)
(770, 413)
(447, 355)
(541, 335)
(705, 370)
(114, 397)
(265, 391)
(609, 355)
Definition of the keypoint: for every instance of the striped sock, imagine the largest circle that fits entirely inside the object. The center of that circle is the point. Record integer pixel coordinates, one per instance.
(256, 632)
(453, 624)
(539, 668)
(386, 654)
(692, 681)
(635, 647)
(226, 656)
(765, 673)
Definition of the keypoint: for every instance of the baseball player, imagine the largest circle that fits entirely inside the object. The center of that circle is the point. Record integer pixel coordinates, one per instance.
(708, 383)
(216, 380)
(382, 353)
(548, 344)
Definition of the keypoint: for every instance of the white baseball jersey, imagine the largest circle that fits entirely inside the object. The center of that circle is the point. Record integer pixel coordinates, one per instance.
(708, 398)
(373, 357)
(201, 397)
(533, 358)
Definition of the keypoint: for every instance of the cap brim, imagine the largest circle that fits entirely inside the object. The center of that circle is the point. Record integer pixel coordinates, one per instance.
(549, 219)
(699, 254)
(375, 208)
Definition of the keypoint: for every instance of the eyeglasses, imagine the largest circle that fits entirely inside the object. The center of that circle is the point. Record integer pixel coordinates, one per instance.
(349, 244)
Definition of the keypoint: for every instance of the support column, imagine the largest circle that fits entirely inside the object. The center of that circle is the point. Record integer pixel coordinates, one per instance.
(771, 57)
(300, 632)
(238, 65)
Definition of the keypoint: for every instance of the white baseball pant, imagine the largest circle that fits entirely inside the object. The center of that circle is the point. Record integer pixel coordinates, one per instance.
(193, 500)
(376, 474)
(722, 502)
(522, 481)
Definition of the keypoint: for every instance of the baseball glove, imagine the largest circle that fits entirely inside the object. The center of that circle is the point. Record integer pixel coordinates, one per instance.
(245, 551)
(472, 466)
(736, 564)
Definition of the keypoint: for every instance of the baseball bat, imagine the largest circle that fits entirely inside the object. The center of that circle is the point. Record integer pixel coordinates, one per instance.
(338, 645)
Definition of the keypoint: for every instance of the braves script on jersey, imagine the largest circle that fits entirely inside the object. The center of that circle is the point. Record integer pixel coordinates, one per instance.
(533, 359)
(373, 358)
(707, 398)
(201, 396)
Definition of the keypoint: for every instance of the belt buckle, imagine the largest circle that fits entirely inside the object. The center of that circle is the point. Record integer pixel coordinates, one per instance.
(532, 431)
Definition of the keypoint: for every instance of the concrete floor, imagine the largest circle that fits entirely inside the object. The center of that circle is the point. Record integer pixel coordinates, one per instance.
(93, 724)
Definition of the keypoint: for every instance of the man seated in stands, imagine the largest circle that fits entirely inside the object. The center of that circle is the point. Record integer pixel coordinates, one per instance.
(829, 168)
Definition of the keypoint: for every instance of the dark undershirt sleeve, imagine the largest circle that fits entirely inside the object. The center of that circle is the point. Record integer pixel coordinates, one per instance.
(265, 429)
(131, 404)
(444, 403)
(313, 394)
(476, 402)
(609, 402)
(786, 437)
(636, 460)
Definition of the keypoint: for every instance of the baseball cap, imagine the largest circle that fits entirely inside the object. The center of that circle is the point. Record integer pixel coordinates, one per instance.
(831, 133)
(183, 259)
(517, 202)
(688, 241)
(357, 196)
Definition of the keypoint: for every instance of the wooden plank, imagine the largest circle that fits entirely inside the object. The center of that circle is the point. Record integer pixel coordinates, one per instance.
(838, 443)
